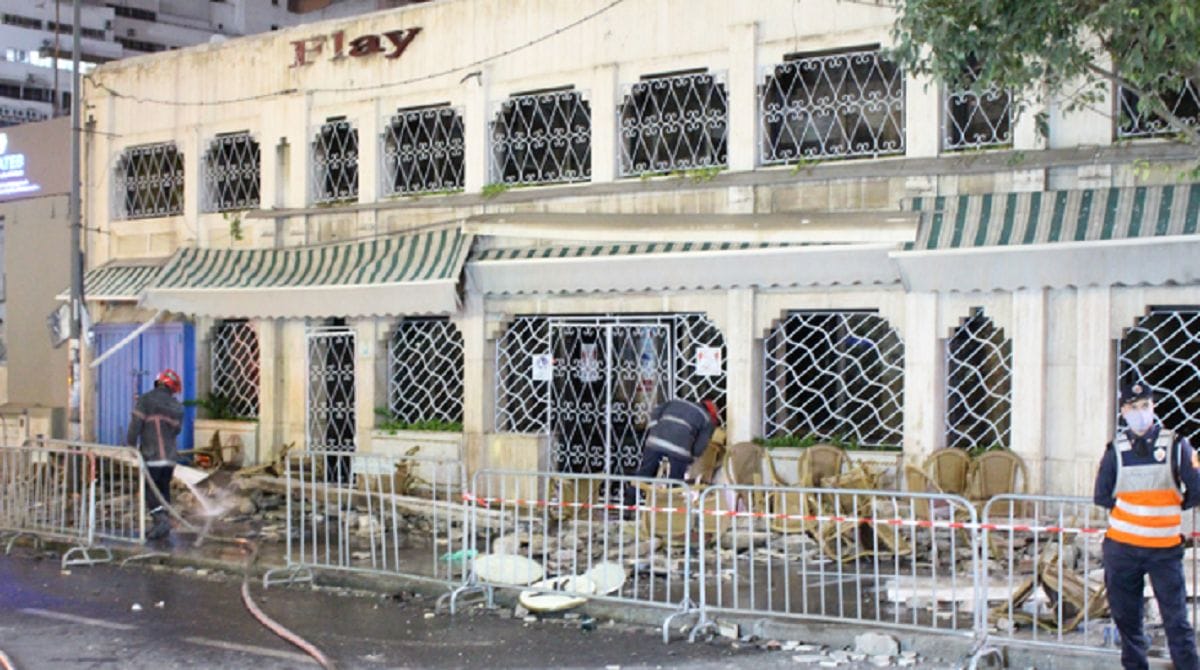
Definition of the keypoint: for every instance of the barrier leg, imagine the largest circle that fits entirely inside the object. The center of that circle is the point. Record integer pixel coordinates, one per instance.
(102, 555)
(37, 541)
(467, 589)
(295, 574)
(685, 610)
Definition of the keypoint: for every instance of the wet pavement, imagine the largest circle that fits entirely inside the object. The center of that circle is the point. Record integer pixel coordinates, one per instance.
(144, 616)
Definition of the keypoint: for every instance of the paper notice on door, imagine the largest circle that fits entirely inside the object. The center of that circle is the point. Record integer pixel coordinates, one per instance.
(543, 367)
(708, 361)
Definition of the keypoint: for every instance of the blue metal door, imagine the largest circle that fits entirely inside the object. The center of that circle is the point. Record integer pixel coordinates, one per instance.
(131, 372)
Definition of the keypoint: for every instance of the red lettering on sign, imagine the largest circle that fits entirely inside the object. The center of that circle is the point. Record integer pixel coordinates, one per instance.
(339, 42)
(306, 50)
(307, 47)
(400, 39)
(366, 45)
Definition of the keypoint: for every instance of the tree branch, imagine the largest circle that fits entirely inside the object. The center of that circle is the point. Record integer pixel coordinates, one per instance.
(1191, 133)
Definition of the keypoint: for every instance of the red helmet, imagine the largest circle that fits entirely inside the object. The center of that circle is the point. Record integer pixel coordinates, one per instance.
(170, 379)
(712, 412)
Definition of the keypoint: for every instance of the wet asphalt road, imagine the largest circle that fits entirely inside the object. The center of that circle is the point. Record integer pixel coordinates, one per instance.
(141, 616)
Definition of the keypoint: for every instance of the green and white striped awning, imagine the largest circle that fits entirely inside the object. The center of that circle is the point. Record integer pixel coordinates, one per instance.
(394, 275)
(1003, 219)
(117, 281)
(596, 250)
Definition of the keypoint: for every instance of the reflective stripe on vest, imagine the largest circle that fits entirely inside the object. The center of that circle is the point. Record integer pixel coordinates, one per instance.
(1148, 510)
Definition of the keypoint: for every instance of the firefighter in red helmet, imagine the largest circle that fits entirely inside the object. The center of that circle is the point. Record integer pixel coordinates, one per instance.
(156, 422)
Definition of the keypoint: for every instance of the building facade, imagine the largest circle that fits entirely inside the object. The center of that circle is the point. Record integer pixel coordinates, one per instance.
(525, 224)
(35, 68)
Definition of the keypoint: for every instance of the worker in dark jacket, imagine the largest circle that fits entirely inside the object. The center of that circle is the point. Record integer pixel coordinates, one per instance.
(679, 431)
(156, 421)
(1147, 477)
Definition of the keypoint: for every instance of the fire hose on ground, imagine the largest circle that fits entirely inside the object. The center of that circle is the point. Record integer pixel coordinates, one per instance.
(251, 550)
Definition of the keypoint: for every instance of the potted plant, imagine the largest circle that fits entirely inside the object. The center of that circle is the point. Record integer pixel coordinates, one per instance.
(427, 439)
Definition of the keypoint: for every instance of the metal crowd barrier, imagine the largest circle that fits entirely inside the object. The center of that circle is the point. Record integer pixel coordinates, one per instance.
(74, 492)
(573, 535)
(884, 558)
(1048, 569)
(371, 513)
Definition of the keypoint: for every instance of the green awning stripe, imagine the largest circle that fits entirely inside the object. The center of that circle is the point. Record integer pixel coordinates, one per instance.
(1010, 216)
(1164, 212)
(1084, 216)
(1059, 213)
(1139, 209)
(441, 249)
(1110, 214)
(1031, 224)
(1193, 210)
(935, 232)
(985, 216)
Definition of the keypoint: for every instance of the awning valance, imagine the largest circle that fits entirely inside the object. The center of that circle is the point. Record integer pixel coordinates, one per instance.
(393, 275)
(630, 268)
(117, 281)
(1086, 215)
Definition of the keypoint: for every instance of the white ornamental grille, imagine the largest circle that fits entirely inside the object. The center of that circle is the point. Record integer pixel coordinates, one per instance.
(1163, 352)
(335, 162)
(1133, 122)
(674, 123)
(542, 138)
(232, 173)
(976, 118)
(521, 399)
(423, 151)
(425, 372)
(834, 375)
(832, 106)
(235, 367)
(978, 385)
(148, 182)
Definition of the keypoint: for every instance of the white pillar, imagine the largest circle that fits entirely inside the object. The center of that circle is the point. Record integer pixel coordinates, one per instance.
(475, 132)
(1095, 384)
(740, 370)
(743, 96)
(1028, 419)
(299, 133)
(368, 124)
(924, 377)
(922, 117)
(365, 344)
(475, 380)
(270, 371)
(603, 98)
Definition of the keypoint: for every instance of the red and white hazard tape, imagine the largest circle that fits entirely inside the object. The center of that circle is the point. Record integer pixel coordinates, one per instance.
(817, 518)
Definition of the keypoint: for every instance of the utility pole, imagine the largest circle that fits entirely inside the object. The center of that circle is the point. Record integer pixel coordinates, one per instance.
(58, 107)
(75, 389)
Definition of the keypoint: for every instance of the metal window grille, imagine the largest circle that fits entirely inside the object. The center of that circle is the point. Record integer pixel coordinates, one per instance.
(425, 372)
(542, 138)
(423, 151)
(1134, 122)
(232, 173)
(335, 162)
(835, 375)
(1163, 351)
(832, 106)
(149, 182)
(977, 118)
(235, 366)
(522, 402)
(978, 385)
(330, 410)
(674, 123)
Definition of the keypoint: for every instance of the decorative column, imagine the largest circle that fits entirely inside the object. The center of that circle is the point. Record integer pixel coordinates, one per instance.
(1028, 420)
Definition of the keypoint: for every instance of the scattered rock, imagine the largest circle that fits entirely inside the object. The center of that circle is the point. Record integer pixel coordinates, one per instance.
(876, 644)
(530, 619)
(136, 607)
(790, 645)
(429, 615)
(160, 604)
(773, 645)
(881, 661)
(808, 659)
(728, 630)
(839, 655)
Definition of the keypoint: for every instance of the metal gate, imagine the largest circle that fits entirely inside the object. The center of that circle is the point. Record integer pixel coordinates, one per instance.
(608, 374)
(130, 372)
(330, 399)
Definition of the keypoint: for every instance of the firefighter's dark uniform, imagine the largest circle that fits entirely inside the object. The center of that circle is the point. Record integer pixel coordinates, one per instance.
(153, 427)
(1146, 482)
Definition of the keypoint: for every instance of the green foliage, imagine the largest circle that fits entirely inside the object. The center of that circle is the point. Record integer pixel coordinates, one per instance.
(1073, 50)
(234, 219)
(218, 408)
(493, 190)
(391, 425)
(983, 449)
(805, 441)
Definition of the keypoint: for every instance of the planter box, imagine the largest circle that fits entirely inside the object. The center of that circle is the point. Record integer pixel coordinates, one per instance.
(429, 444)
(239, 439)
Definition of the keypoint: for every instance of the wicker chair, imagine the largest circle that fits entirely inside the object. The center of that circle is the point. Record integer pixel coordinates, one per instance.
(995, 473)
(819, 462)
(950, 469)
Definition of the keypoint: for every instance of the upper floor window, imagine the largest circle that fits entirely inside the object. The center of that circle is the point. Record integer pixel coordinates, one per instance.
(975, 117)
(149, 182)
(1133, 121)
(21, 21)
(832, 105)
(423, 151)
(543, 137)
(232, 173)
(335, 161)
(674, 122)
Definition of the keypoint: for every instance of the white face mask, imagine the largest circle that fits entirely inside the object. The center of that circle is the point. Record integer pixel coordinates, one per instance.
(1139, 420)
